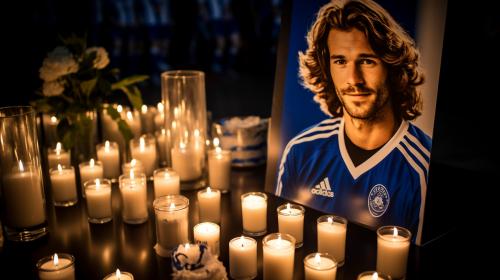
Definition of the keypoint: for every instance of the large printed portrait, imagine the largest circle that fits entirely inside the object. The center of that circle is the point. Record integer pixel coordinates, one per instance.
(353, 109)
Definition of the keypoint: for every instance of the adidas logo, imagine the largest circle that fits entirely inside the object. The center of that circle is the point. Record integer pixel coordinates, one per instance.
(323, 188)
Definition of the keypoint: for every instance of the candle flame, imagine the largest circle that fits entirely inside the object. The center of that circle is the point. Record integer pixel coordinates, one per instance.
(144, 109)
(59, 168)
(182, 145)
(163, 131)
(288, 207)
(133, 162)
(174, 124)
(209, 190)
(130, 116)
(196, 133)
(142, 144)
(106, 146)
(53, 119)
(172, 206)
(118, 274)
(317, 259)
(207, 142)
(395, 232)
(97, 183)
(92, 162)
(58, 148)
(21, 167)
(131, 174)
(56, 260)
(119, 108)
(375, 276)
(216, 142)
(330, 220)
(167, 175)
(160, 107)
(186, 246)
(218, 150)
(242, 241)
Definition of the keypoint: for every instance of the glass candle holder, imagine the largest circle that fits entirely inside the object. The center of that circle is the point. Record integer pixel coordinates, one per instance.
(50, 123)
(58, 155)
(373, 275)
(144, 150)
(135, 165)
(209, 234)
(171, 212)
(291, 221)
(63, 183)
(331, 236)
(219, 169)
(134, 198)
(109, 154)
(243, 258)
(59, 266)
(119, 275)
(393, 245)
(23, 201)
(278, 252)
(166, 181)
(209, 205)
(319, 266)
(147, 118)
(89, 170)
(162, 140)
(254, 213)
(98, 198)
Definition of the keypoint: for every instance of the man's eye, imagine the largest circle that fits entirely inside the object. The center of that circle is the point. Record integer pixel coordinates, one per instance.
(339, 61)
(367, 61)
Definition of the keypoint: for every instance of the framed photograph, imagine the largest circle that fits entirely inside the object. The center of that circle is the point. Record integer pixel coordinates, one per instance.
(354, 106)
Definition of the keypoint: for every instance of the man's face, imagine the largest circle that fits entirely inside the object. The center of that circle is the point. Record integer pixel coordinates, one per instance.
(358, 74)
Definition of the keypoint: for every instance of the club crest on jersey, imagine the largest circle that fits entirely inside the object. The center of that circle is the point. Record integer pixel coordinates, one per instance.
(378, 200)
(323, 188)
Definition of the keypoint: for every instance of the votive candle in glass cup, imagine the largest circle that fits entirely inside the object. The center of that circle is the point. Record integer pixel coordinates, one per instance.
(319, 266)
(331, 237)
(58, 156)
(109, 154)
(63, 183)
(166, 181)
(393, 245)
(59, 266)
(134, 198)
(89, 170)
(162, 140)
(278, 252)
(209, 234)
(373, 275)
(98, 197)
(254, 213)
(209, 205)
(134, 164)
(147, 118)
(119, 275)
(144, 149)
(291, 221)
(219, 169)
(243, 258)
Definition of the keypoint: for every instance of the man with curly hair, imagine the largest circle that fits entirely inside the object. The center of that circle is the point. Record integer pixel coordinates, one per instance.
(366, 162)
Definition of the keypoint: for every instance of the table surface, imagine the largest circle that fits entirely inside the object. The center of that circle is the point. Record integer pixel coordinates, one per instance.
(101, 248)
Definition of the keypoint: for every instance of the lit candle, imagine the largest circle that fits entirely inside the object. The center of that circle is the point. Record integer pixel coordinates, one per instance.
(187, 161)
(331, 236)
(162, 138)
(254, 213)
(90, 170)
(134, 198)
(109, 155)
(160, 117)
(58, 156)
(144, 149)
(23, 197)
(243, 258)
(393, 244)
(219, 169)
(147, 119)
(318, 266)
(171, 214)
(119, 275)
(208, 233)
(50, 130)
(372, 275)
(278, 251)
(134, 122)
(63, 184)
(57, 267)
(291, 221)
(166, 181)
(209, 205)
(134, 165)
(98, 197)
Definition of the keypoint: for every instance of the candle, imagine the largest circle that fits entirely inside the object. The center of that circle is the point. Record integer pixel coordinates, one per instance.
(209, 205)
(331, 237)
(372, 275)
(171, 213)
(90, 170)
(319, 266)
(243, 258)
(23, 197)
(110, 128)
(279, 250)
(134, 165)
(98, 197)
(187, 161)
(291, 221)
(393, 244)
(162, 138)
(160, 117)
(147, 119)
(166, 181)
(208, 233)
(57, 267)
(254, 213)
(58, 156)
(63, 184)
(134, 198)
(134, 122)
(144, 149)
(50, 129)
(219, 169)
(109, 155)
(119, 275)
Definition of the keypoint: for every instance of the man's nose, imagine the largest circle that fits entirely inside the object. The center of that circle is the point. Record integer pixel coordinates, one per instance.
(354, 75)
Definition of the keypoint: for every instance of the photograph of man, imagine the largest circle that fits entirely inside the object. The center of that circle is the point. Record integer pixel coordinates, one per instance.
(367, 161)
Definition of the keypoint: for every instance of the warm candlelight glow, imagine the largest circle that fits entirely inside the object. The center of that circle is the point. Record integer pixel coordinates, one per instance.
(375, 276)
(131, 174)
(216, 142)
(130, 116)
(209, 190)
(160, 107)
(144, 109)
(119, 108)
(317, 259)
(196, 133)
(288, 208)
(330, 220)
(59, 168)
(21, 167)
(163, 131)
(395, 233)
(242, 239)
(174, 124)
(106, 146)
(53, 119)
(92, 162)
(97, 183)
(186, 246)
(218, 150)
(133, 162)
(142, 144)
(58, 148)
(56, 260)
(182, 145)
(118, 274)
(172, 206)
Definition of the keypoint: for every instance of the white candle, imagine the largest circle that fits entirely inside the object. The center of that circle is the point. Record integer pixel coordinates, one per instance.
(254, 213)
(279, 251)
(90, 170)
(144, 149)
(208, 233)
(56, 267)
(134, 165)
(50, 129)
(109, 155)
(63, 184)
(318, 266)
(291, 221)
(160, 117)
(147, 119)
(58, 156)
(134, 198)
(162, 140)
(393, 244)
(187, 161)
(331, 236)
(171, 213)
(209, 205)
(119, 275)
(243, 258)
(166, 181)
(23, 197)
(134, 122)
(372, 275)
(219, 169)
(98, 197)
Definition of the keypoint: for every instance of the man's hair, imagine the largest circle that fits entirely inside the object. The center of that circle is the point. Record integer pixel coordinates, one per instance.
(387, 39)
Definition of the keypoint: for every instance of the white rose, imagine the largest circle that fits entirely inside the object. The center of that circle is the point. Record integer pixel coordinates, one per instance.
(53, 88)
(101, 58)
(58, 63)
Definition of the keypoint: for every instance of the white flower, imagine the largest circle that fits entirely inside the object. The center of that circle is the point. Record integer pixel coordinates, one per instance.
(58, 63)
(101, 58)
(53, 88)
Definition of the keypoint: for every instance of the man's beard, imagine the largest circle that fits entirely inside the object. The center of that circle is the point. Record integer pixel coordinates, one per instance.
(366, 110)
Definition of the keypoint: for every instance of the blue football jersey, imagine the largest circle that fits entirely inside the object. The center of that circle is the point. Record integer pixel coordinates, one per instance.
(387, 189)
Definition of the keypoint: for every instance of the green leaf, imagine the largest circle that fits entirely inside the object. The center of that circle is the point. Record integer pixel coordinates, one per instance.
(112, 112)
(88, 86)
(128, 81)
(134, 97)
